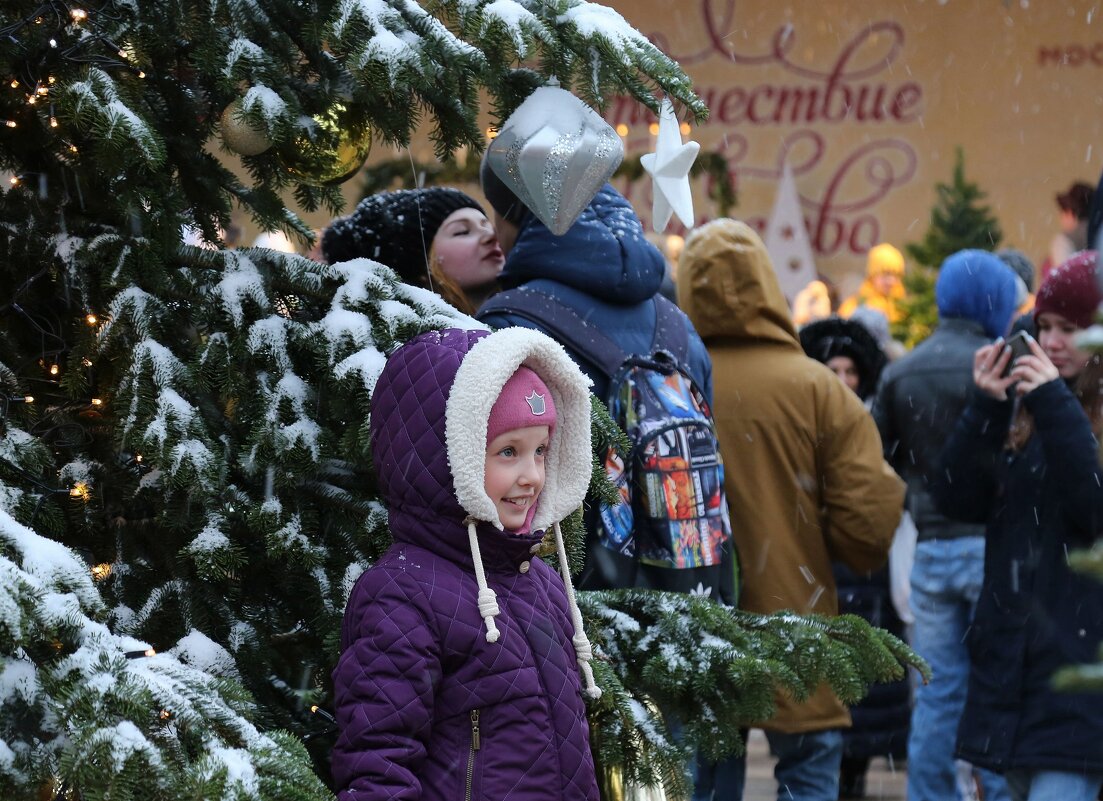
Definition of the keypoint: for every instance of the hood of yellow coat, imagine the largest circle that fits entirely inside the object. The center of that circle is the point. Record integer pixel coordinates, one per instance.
(728, 287)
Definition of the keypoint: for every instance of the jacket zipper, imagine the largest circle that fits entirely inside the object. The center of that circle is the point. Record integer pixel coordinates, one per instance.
(475, 745)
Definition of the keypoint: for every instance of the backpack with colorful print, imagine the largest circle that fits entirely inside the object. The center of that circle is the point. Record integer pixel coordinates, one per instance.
(674, 513)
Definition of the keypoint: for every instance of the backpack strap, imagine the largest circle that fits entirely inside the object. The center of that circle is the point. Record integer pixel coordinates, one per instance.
(561, 322)
(670, 330)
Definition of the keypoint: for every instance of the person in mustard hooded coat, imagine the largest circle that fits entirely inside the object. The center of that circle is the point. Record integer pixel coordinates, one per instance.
(805, 478)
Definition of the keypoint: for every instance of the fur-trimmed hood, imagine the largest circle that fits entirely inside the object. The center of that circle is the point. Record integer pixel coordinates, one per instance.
(429, 420)
(429, 423)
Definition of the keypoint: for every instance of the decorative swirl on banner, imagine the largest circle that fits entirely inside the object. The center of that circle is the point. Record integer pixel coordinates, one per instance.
(837, 222)
(856, 86)
(719, 20)
(880, 172)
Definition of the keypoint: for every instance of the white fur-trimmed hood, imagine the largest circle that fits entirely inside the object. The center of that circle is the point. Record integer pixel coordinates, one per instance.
(479, 380)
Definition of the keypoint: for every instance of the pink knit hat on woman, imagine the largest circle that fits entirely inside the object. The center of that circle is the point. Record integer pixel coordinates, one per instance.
(524, 401)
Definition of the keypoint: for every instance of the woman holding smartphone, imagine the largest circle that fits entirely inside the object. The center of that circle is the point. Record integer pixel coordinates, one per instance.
(1024, 459)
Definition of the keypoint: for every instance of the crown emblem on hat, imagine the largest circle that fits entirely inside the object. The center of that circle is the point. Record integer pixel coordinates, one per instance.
(536, 403)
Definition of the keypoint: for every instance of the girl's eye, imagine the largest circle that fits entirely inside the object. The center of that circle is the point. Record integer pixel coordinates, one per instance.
(506, 452)
(541, 450)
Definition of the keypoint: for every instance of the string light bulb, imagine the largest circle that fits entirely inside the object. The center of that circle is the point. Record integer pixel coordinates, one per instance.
(91, 319)
(138, 458)
(14, 83)
(78, 15)
(28, 398)
(165, 714)
(53, 122)
(86, 362)
(79, 490)
(54, 369)
(622, 129)
(101, 571)
(684, 128)
(14, 180)
(97, 401)
(491, 133)
(52, 79)
(11, 124)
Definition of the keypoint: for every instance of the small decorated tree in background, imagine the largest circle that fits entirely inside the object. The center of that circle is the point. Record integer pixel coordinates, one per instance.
(958, 221)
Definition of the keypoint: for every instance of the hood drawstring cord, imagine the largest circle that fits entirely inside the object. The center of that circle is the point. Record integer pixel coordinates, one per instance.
(583, 652)
(488, 600)
(488, 605)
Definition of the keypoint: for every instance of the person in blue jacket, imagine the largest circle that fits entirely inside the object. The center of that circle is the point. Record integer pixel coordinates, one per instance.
(606, 271)
(1024, 459)
(603, 267)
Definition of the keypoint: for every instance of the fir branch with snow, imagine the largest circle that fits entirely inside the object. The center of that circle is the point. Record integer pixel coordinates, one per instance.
(663, 657)
(83, 708)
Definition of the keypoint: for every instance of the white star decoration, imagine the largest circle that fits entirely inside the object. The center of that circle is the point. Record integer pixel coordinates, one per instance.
(669, 167)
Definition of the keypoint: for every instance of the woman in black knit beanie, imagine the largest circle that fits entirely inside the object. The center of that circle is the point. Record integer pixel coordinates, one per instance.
(437, 238)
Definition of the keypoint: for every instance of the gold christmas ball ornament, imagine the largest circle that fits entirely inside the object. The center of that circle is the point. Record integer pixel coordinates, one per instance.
(330, 148)
(241, 135)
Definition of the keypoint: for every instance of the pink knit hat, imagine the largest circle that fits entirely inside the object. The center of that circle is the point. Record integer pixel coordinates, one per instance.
(524, 401)
(1071, 291)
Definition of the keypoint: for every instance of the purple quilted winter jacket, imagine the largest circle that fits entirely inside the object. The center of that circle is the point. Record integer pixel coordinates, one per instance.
(428, 707)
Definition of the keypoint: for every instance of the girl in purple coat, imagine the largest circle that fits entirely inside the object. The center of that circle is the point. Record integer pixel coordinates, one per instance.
(463, 660)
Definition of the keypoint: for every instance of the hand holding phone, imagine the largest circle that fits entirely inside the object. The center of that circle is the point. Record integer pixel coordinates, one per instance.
(1019, 344)
(989, 365)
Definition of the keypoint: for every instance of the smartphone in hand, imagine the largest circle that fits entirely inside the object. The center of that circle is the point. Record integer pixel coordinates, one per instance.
(1020, 346)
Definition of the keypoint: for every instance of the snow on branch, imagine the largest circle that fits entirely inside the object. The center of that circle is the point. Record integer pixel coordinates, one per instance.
(99, 109)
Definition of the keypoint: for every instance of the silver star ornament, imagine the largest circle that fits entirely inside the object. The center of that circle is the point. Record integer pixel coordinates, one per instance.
(669, 168)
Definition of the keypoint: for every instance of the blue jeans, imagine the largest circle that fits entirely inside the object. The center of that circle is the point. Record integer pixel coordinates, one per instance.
(807, 769)
(1053, 785)
(945, 584)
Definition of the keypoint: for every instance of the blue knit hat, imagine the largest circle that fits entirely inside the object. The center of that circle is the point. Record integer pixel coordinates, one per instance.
(978, 286)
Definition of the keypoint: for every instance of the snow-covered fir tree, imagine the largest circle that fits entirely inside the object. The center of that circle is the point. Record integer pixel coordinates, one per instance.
(186, 491)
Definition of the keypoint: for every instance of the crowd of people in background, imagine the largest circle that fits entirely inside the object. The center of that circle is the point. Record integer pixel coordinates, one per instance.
(981, 464)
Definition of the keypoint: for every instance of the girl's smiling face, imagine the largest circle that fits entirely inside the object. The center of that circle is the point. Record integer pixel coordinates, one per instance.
(1057, 336)
(514, 475)
(466, 249)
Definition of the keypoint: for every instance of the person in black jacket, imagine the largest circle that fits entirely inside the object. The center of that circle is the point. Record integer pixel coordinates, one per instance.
(880, 720)
(1024, 460)
(918, 402)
